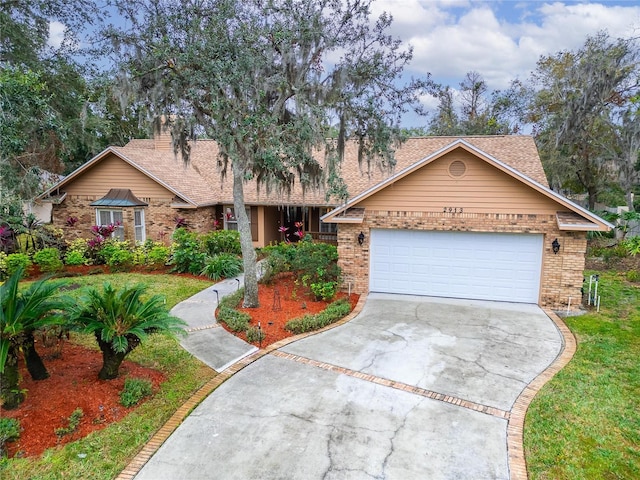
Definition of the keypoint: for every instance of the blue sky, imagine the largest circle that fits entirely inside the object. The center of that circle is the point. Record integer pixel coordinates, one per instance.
(500, 39)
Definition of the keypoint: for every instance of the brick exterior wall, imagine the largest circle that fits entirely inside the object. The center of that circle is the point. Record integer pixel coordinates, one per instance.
(562, 273)
(159, 218)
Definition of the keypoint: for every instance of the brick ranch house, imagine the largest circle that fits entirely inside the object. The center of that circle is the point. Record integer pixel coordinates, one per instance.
(465, 217)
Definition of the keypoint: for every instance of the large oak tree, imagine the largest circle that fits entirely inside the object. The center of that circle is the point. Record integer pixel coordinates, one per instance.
(269, 80)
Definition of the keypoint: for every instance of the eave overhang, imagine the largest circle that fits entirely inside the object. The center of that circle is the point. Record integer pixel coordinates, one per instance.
(589, 217)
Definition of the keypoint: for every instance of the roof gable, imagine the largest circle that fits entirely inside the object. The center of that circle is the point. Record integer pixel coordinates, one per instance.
(191, 181)
(461, 144)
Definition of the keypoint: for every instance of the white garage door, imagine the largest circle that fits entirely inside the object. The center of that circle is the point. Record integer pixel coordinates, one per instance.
(484, 266)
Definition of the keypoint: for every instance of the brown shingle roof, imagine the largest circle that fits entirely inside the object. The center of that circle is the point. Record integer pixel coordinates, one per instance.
(200, 181)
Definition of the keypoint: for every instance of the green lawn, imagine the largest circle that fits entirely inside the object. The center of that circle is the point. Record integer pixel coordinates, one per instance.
(109, 451)
(585, 423)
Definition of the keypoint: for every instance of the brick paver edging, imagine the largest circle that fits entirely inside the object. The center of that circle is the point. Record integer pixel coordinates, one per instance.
(423, 392)
(152, 446)
(515, 426)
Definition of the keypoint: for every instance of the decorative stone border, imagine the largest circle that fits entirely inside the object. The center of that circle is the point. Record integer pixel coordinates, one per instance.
(515, 427)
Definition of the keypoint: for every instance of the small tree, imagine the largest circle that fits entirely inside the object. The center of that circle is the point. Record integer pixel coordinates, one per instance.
(21, 313)
(121, 320)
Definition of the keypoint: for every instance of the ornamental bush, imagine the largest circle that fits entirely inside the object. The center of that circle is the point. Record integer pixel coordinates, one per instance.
(334, 311)
(188, 253)
(112, 247)
(75, 257)
(48, 259)
(120, 260)
(223, 265)
(16, 261)
(222, 241)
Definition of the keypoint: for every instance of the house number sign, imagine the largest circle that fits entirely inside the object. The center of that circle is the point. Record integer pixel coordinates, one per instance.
(452, 210)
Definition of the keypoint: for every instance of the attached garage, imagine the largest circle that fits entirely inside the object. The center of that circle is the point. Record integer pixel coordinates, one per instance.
(488, 266)
(470, 218)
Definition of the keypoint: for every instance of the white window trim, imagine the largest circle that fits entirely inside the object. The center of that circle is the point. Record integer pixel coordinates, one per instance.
(118, 233)
(142, 227)
(232, 220)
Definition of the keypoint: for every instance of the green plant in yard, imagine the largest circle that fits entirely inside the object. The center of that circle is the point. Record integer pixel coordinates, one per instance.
(334, 312)
(3, 265)
(585, 423)
(324, 290)
(188, 253)
(222, 241)
(21, 313)
(75, 258)
(120, 320)
(109, 450)
(158, 256)
(18, 261)
(114, 252)
(78, 252)
(135, 389)
(48, 259)
(120, 260)
(73, 422)
(237, 321)
(632, 245)
(222, 265)
(255, 334)
(9, 431)
(633, 276)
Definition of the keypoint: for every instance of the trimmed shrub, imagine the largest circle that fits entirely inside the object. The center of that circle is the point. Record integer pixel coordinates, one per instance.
(75, 257)
(255, 334)
(158, 256)
(237, 321)
(15, 261)
(334, 311)
(48, 259)
(223, 265)
(135, 389)
(324, 290)
(222, 241)
(110, 248)
(188, 253)
(120, 260)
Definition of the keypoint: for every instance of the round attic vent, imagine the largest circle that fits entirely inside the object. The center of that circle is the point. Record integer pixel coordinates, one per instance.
(457, 168)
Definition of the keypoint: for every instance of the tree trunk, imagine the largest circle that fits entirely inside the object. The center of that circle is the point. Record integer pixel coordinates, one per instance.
(628, 196)
(35, 366)
(111, 360)
(10, 392)
(592, 192)
(248, 252)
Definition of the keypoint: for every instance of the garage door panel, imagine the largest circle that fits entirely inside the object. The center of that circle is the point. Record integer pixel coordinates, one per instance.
(489, 266)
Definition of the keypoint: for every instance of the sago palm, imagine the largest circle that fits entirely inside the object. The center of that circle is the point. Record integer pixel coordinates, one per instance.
(21, 313)
(121, 320)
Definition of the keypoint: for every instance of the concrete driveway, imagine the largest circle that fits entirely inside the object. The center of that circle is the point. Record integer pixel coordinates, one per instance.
(412, 388)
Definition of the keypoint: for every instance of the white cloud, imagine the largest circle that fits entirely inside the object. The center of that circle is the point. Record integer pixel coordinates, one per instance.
(56, 34)
(501, 40)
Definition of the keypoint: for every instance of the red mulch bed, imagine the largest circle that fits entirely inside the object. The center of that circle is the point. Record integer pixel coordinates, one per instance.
(73, 383)
(294, 301)
(73, 369)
